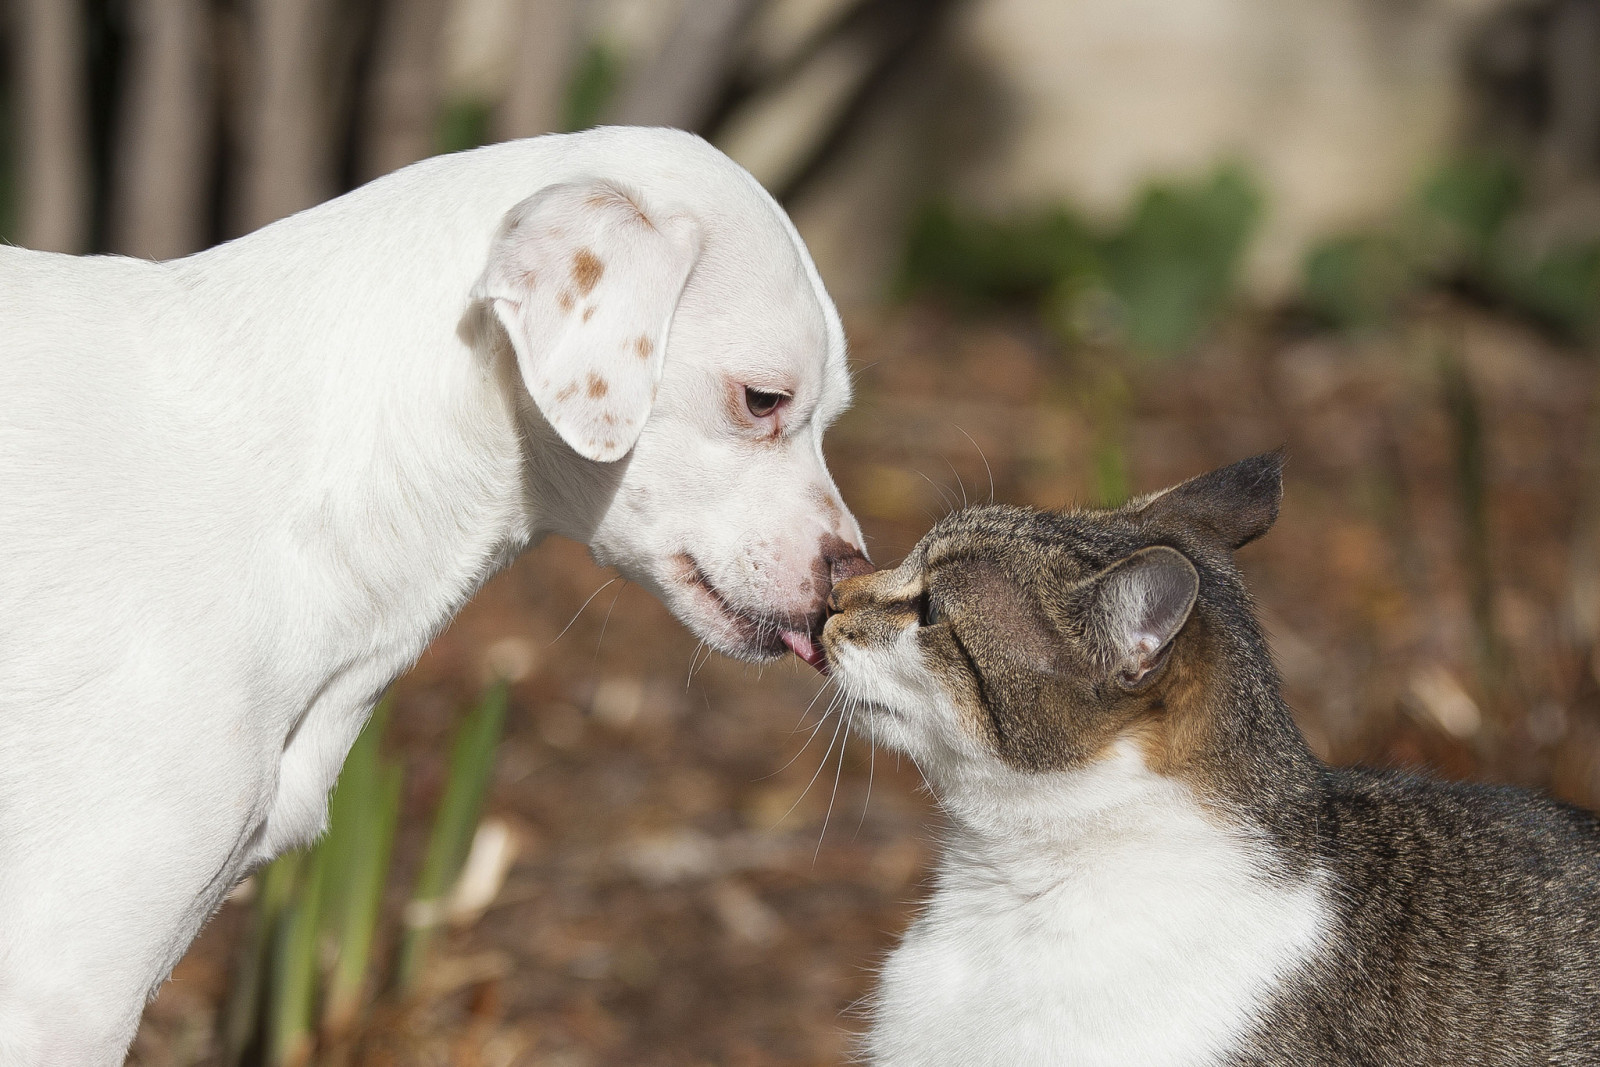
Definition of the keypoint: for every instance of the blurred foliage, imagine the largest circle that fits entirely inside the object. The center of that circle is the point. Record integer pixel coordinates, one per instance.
(1462, 230)
(309, 966)
(464, 123)
(593, 84)
(1155, 280)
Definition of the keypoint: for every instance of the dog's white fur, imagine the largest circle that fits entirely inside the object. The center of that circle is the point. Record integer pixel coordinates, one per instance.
(241, 491)
(1099, 917)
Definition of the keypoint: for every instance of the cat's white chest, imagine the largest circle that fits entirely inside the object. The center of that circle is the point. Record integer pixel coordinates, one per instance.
(1156, 939)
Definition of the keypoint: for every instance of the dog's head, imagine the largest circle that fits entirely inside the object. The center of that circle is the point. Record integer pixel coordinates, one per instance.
(689, 360)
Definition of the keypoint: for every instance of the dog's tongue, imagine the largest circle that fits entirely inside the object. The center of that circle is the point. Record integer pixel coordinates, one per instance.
(802, 645)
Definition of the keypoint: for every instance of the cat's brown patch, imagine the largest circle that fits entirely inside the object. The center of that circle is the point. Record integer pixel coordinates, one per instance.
(565, 301)
(598, 387)
(588, 313)
(643, 347)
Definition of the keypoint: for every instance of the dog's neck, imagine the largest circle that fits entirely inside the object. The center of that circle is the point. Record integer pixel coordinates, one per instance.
(406, 426)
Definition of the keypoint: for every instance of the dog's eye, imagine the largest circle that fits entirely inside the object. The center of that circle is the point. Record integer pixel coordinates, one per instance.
(928, 613)
(763, 402)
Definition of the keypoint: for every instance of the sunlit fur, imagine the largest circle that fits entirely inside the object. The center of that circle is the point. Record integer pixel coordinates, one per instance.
(240, 492)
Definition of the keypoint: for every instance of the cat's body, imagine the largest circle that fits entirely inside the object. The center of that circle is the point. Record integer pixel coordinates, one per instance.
(1145, 865)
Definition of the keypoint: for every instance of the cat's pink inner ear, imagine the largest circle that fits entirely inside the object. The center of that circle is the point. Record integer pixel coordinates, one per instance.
(1144, 601)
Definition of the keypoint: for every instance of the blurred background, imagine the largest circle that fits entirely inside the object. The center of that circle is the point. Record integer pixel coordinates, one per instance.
(1084, 248)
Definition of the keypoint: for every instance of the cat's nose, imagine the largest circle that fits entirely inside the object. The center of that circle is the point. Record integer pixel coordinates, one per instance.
(840, 597)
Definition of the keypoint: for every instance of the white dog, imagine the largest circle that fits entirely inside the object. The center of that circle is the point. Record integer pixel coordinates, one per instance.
(241, 491)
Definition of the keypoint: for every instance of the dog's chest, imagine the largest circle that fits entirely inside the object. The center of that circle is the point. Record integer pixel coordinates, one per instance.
(1158, 945)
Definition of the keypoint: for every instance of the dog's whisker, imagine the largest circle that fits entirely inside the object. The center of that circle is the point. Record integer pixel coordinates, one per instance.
(607, 621)
(585, 604)
(689, 678)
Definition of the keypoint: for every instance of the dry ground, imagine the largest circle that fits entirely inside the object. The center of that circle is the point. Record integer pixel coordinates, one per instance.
(668, 907)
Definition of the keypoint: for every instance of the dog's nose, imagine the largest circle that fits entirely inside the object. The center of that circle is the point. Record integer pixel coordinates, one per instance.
(849, 563)
(839, 561)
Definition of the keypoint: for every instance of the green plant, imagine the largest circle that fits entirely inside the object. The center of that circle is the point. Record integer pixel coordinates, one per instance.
(464, 123)
(1158, 278)
(593, 85)
(308, 966)
(471, 759)
(1460, 230)
(1173, 264)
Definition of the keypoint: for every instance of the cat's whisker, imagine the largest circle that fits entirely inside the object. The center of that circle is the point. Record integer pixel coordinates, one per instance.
(959, 482)
(809, 738)
(845, 717)
(987, 469)
(814, 698)
(820, 768)
(947, 498)
(872, 765)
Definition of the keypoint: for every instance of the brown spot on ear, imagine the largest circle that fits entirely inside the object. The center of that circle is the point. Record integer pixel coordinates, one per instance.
(610, 444)
(586, 270)
(598, 387)
(565, 301)
(567, 392)
(643, 346)
(588, 313)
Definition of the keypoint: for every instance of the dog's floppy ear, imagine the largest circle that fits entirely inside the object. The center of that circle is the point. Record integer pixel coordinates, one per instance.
(585, 281)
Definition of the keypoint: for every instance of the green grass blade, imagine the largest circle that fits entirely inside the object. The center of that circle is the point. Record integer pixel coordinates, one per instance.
(291, 1009)
(362, 902)
(471, 760)
(275, 885)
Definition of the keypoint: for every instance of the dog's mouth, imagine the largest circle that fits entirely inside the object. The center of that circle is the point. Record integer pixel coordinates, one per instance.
(744, 634)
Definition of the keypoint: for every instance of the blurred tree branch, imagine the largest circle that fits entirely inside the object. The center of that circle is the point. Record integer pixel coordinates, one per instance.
(163, 161)
(54, 133)
(680, 87)
(405, 86)
(286, 164)
(546, 45)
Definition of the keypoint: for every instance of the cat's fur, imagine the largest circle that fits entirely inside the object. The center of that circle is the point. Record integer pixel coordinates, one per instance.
(1145, 864)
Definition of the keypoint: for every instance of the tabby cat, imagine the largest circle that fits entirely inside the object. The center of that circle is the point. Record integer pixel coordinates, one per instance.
(1145, 864)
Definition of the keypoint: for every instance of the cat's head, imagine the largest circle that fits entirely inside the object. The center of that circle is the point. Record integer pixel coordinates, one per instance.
(1036, 641)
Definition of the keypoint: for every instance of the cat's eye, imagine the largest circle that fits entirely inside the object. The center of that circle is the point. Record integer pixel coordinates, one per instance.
(763, 402)
(928, 613)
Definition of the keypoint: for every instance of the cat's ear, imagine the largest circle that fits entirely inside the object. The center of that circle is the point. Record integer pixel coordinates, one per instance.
(1138, 606)
(1234, 504)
